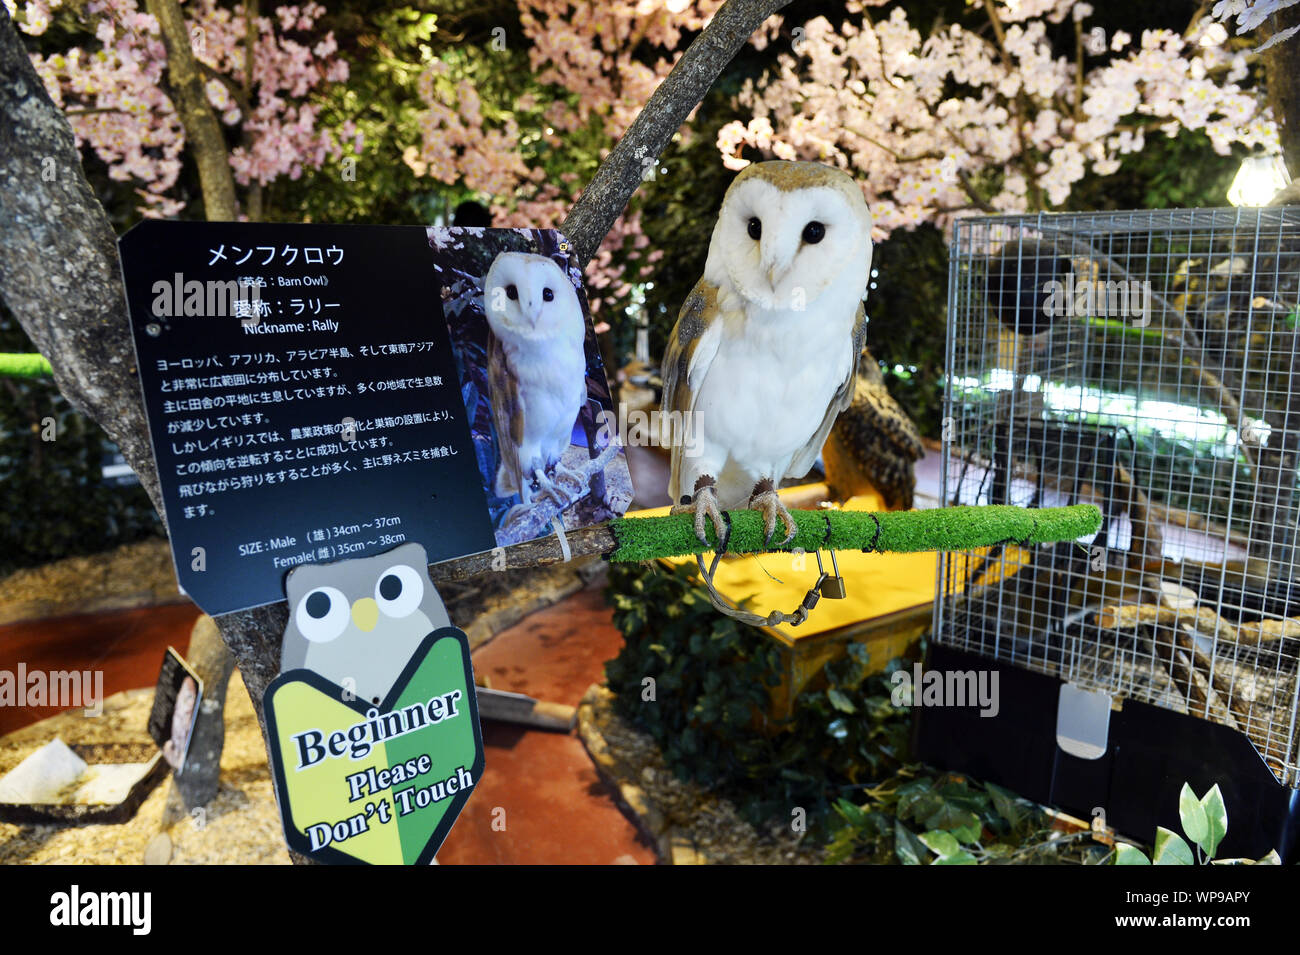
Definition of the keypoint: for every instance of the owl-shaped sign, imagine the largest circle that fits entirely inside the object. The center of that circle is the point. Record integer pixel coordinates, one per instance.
(357, 622)
(373, 721)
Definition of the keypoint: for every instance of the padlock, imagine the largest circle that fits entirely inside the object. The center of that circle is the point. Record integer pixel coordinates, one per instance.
(830, 586)
(833, 588)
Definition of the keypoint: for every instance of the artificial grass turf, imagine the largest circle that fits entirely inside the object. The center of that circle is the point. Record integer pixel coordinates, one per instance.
(947, 528)
(24, 365)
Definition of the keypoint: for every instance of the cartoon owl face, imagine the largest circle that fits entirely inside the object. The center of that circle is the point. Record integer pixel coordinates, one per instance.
(357, 622)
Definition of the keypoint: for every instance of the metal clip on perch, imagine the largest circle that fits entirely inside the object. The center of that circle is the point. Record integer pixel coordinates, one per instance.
(830, 587)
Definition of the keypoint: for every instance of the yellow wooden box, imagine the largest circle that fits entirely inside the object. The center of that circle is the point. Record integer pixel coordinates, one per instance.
(888, 606)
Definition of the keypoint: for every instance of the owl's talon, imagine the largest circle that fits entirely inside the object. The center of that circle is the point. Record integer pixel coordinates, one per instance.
(547, 487)
(704, 505)
(572, 481)
(767, 502)
(515, 513)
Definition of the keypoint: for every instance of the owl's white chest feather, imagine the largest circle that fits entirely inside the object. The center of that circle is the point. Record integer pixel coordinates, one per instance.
(551, 382)
(768, 387)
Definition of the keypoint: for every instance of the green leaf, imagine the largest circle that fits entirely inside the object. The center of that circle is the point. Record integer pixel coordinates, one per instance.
(1006, 803)
(1192, 814)
(970, 832)
(1170, 849)
(922, 808)
(852, 814)
(941, 843)
(1126, 854)
(959, 858)
(840, 701)
(1216, 819)
(954, 818)
(909, 849)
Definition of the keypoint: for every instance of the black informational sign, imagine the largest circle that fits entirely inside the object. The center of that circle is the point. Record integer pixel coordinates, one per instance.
(176, 701)
(318, 420)
(308, 402)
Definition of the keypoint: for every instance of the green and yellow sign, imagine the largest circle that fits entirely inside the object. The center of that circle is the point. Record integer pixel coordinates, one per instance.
(378, 783)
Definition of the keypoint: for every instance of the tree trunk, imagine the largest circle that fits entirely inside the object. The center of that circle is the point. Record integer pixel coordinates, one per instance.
(1282, 71)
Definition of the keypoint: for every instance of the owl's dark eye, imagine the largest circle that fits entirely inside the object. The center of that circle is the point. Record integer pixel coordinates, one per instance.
(318, 605)
(512, 293)
(755, 228)
(390, 588)
(547, 295)
(814, 232)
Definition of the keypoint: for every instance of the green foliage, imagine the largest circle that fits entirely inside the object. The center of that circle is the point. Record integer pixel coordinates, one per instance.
(920, 817)
(712, 678)
(1205, 822)
(1182, 172)
(52, 496)
(698, 683)
(907, 328)
(387, 50)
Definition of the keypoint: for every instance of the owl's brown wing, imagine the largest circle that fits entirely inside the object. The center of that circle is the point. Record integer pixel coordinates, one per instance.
(874, 444)
(690, 351)
(803, 461)
(507, 418)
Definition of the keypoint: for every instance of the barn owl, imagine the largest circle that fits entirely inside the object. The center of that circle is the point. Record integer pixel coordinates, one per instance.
(765, 351)
(361, 620)
(537, 368)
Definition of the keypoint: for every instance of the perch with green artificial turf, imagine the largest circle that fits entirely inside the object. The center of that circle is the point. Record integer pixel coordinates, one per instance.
(939, 529)
(19, 365)
(946, 528)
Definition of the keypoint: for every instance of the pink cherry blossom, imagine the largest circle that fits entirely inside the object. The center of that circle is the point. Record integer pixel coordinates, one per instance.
(112, 91)
(873, 96)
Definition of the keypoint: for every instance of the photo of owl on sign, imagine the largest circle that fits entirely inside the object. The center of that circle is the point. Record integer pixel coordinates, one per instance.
(532, 380)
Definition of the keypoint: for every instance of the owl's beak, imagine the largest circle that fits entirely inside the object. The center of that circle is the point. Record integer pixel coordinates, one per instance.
(774, 275)
(365, 614)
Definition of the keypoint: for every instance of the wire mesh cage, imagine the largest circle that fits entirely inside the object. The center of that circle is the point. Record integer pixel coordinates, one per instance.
(1145, 362)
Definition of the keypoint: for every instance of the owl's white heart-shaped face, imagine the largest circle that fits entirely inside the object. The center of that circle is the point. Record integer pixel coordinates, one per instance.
(787, 232)
(528, 297)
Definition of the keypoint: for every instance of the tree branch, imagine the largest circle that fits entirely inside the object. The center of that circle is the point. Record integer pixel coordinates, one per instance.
(237, 92)
(617, 178)
(202, 129)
